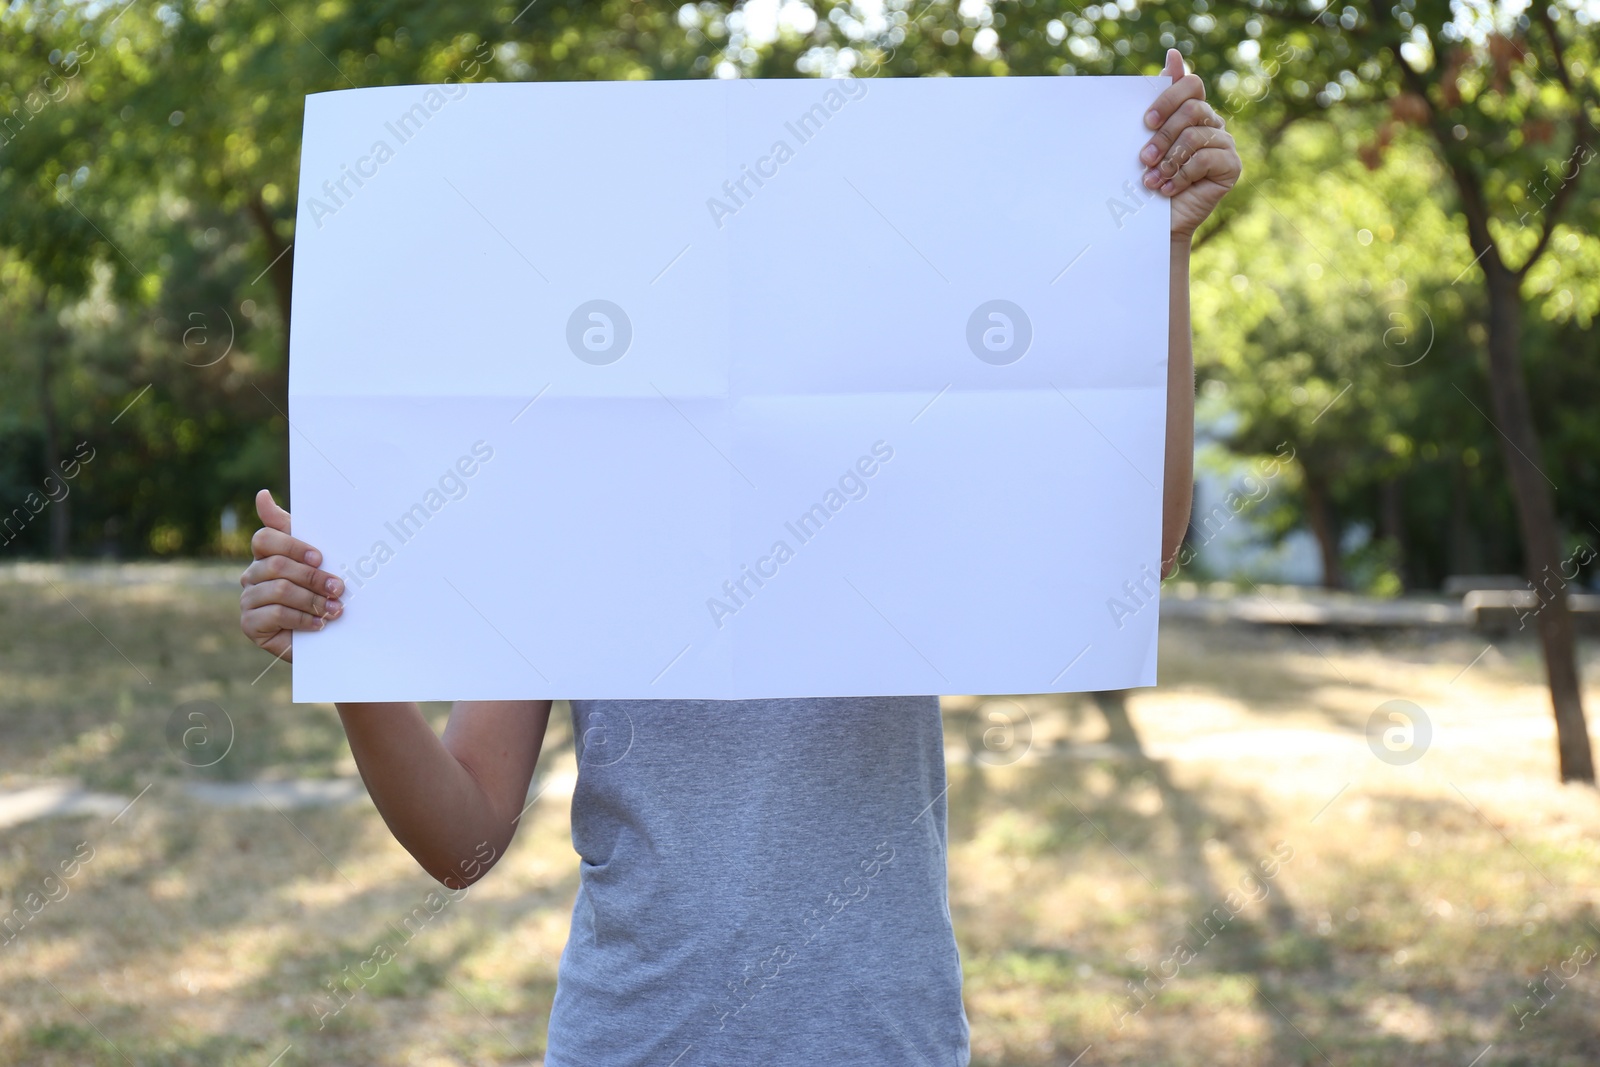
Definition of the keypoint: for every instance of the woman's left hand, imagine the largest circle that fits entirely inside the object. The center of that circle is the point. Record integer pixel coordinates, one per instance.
(1191, 159)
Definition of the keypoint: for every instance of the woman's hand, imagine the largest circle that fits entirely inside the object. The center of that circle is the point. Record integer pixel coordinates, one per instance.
(1191, 158)
(283, 589)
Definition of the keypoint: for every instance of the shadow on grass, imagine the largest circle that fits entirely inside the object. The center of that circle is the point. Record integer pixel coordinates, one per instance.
(167, 885)
(1316, 987)
(96, 673)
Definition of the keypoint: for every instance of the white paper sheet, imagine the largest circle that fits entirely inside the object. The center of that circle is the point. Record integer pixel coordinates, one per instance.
(730, 389)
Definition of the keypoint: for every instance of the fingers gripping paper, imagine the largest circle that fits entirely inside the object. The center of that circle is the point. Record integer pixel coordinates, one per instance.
(730, 389)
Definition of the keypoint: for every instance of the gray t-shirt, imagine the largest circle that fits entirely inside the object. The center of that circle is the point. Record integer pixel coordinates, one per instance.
(762, 882)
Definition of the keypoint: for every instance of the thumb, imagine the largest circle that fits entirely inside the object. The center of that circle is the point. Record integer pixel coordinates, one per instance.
(271, 514)
(1174, 68)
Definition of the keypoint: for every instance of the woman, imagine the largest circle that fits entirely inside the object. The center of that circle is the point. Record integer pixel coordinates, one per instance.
(762, 881)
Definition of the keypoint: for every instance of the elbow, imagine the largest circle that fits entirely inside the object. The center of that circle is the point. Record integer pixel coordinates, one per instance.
(454, 880)
(1175, 552)
(460, 873)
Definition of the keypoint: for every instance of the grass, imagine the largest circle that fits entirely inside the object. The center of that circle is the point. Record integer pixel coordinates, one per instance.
(1407, 909)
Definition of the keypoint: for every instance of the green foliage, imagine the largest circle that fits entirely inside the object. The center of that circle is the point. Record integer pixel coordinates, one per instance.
(148, 181)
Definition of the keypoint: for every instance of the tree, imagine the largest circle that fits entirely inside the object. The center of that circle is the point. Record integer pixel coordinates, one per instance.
(1492, 91)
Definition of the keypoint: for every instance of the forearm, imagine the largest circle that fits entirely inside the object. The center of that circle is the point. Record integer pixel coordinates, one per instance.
(1178, 484)
(434, 805)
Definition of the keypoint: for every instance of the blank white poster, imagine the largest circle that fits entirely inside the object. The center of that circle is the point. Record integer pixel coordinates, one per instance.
(730, 389)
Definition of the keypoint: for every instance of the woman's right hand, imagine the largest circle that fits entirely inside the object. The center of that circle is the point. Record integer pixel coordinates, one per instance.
(284, 590)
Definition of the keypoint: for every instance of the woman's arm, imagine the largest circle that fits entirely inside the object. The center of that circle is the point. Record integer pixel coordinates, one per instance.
(1191, 160)
(1177, 491)
(453, 802)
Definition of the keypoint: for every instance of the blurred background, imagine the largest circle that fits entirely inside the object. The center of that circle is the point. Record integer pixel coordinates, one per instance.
(1355, 824)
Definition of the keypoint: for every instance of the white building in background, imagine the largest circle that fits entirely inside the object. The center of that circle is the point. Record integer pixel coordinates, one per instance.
(1240, 546)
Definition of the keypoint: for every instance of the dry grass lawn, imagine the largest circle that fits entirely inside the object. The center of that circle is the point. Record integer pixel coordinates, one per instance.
(1407, 911)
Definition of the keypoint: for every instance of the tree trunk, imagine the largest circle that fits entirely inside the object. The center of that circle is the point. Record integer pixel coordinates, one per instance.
(281, 266)
(1536, 519)
(1461, 543)
(60, 525)
(275, 384)
(1325, 528)
(281, 273)
(1392, 524)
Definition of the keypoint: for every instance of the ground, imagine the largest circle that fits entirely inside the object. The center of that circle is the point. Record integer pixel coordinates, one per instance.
(1227, 839)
